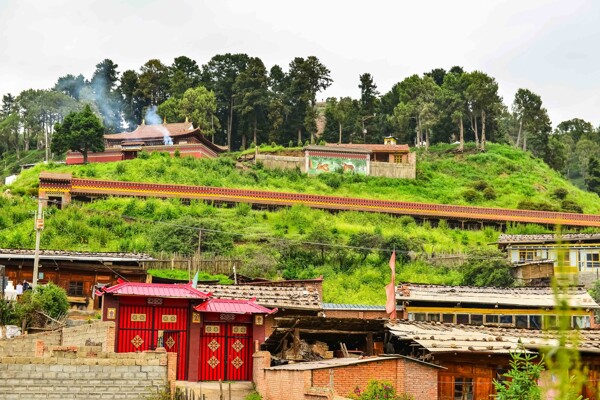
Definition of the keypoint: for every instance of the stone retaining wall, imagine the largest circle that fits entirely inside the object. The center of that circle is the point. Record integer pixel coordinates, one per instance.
(69, 372)
(93, 334)
(281, 162)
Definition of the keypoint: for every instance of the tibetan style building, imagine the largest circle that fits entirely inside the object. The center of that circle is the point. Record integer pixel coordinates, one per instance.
(181, 137)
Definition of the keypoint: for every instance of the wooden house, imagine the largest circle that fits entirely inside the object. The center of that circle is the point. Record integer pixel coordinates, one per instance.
(79, 273)
(474, 356)
(182, 138)
(518, 307)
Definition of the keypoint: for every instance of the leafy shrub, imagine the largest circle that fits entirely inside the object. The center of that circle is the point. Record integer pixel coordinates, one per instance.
(334, 181)
(406, 220)
(243, 209)
(471, 195)
(560, 193)
(49, 299)
(571, 206)
(181, 236)
(487, 268)
(253, 396)
(177, 154)
(489, 193)
(120, 168)
(523, 383)
(480, 185)
(535, 205)
(378, 390)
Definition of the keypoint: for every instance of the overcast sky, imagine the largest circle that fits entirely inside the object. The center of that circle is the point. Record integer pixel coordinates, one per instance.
(549, 47)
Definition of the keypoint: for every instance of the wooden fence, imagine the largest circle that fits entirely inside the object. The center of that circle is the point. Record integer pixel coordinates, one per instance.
(210, 263)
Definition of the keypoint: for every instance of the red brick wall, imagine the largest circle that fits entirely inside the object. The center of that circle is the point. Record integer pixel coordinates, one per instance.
(407, 376)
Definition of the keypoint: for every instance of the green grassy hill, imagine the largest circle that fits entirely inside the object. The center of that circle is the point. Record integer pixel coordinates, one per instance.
(350, 249)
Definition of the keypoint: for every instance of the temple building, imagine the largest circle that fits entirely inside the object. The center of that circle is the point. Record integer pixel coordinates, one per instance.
(181, 137)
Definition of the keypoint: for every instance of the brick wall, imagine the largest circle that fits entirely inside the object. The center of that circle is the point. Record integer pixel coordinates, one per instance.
(68, 372)
(407, 376)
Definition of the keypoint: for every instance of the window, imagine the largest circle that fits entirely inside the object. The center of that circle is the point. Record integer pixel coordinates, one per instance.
(433, 317)
(506, 319)
(592, 260)
(521, 321)
(398, 158)
(75, 288)
(463, 388)
(581, 321)
(476, 319)
(549, 321)
(448, 318)
(491, 319)
(416, 316)
(462, 319)
(527, 255)
(535, 322)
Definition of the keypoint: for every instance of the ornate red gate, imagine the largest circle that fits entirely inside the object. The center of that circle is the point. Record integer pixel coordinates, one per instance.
(226, 351)
(143, 327)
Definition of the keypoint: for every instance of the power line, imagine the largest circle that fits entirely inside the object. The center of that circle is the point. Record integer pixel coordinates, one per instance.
(270, 238)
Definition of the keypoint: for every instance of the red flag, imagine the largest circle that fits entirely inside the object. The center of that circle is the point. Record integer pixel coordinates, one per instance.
(390, 289)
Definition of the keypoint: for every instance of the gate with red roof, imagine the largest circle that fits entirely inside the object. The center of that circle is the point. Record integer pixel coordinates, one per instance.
(226, 351)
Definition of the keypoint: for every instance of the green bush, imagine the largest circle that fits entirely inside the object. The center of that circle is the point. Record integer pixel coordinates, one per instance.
(560, 193)
(536, 205)
(378, 390)
(480, 185)
(471, 195)
(571, 206)
(253, 396)
(489, 193)
(49, 299)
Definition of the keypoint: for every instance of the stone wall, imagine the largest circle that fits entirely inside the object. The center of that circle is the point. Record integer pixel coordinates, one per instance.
(69, 372)
(93, 334)
(281, 162)
(29, 345)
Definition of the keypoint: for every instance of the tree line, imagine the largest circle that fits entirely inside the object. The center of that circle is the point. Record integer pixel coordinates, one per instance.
(236, 101)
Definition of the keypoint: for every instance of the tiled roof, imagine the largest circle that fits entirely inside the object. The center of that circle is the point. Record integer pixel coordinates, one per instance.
(157, 131)
(352, 307)
(156, 290)
(517, 296)
(375, 148)
(233, 307)
(299, 298)
(72, 255)
(449, 338)
(545, 238)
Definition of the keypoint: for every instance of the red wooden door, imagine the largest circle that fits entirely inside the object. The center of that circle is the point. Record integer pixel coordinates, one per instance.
(146, 328)
(226, 352)
(135, 329)
(212, 352)
(239, 352)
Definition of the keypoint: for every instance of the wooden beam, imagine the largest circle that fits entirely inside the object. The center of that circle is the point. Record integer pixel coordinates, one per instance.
(332, 331)
(370, 344)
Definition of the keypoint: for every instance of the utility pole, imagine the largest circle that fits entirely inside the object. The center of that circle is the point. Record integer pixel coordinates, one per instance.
(39, 225)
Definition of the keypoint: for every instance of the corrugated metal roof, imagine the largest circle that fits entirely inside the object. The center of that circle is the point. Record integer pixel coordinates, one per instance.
(449, 338)
(233, 307)
(517, 296)
(156, 290)
(354, 307)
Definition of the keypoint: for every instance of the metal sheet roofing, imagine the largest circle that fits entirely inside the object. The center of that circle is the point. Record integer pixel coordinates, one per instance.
(542, 297)
(449, 338)
(233, 307)
(156, 290)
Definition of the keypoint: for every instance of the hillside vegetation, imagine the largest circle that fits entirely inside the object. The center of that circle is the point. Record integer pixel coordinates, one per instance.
(350, 249)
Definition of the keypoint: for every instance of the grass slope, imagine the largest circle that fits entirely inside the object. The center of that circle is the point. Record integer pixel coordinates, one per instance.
(281, 243)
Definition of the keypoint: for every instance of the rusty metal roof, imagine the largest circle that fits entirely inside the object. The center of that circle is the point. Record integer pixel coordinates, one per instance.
(539, 297)
(157, 131)
(289, 297)
(156, 290)
(437, 337)
(230, 306)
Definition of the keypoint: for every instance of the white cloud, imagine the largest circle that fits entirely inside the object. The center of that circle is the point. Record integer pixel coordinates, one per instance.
(548, 47)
